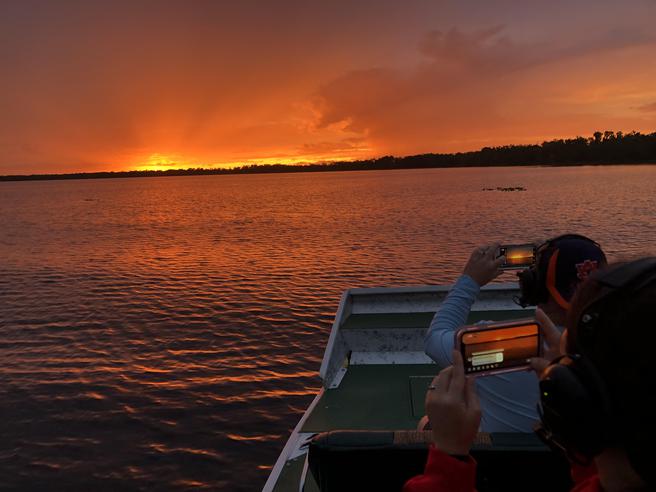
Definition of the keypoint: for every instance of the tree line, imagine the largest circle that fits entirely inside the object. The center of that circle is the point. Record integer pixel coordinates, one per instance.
(599, 149)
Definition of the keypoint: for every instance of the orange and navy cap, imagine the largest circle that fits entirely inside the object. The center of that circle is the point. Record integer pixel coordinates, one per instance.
(565, 262)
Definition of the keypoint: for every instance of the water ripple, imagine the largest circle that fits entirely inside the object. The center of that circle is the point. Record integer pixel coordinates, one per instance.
(166, 334)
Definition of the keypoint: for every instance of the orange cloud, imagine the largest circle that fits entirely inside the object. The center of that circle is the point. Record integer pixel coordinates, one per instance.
(648, 108)
(480, 88)
(117, 85)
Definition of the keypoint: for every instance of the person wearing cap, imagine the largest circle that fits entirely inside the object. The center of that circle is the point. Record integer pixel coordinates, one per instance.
(597, 396)
(508, 401)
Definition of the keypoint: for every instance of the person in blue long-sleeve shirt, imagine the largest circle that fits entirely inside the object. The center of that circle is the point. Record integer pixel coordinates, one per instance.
(509, 401)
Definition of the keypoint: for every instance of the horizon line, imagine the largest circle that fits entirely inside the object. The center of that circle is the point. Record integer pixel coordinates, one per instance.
(597, 137)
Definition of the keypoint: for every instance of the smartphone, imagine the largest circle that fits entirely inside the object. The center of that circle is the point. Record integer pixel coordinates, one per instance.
(517, 255)
(493, 348)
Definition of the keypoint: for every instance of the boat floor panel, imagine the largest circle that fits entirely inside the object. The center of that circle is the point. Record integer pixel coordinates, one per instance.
(371, 397)
(384, 396)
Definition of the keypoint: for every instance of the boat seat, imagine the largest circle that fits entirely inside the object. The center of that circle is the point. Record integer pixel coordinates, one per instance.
(343, 460)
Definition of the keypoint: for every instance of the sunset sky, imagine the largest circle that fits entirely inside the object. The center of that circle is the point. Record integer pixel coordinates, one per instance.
(116, 85)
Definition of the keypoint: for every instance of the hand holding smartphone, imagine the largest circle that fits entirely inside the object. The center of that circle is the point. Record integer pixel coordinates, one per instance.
(493, 348)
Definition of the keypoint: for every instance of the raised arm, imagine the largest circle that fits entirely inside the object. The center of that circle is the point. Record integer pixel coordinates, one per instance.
(453, 312)
(481, 268)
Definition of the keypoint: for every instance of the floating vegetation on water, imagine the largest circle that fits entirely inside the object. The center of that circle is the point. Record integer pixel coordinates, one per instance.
(511, 188)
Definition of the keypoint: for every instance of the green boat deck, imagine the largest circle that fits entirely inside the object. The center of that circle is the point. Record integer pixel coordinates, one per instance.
(375, 394)
(389, 396)
(374, 397)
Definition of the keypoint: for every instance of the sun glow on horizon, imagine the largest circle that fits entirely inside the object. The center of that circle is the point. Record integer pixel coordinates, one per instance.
(436, 78)
(161, 162)
(164, 162)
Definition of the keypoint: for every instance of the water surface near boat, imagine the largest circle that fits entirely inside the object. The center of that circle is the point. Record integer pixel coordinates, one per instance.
(166, 333)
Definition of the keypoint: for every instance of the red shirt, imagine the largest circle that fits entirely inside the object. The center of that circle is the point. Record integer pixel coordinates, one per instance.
(444, 473)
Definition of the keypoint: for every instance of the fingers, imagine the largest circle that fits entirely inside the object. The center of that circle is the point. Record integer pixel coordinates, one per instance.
(457, 375)
(423, 422)
(463, 387)
(477, 253)
(538, 364)
(491, 256)
(550, 333)
(441, 384)
(498, 263)
(492, 250)
(471, 396)
(443, 380)
(487, 250)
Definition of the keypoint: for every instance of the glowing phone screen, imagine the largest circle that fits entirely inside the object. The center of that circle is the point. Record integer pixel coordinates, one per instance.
(499, 348)
(518, 256)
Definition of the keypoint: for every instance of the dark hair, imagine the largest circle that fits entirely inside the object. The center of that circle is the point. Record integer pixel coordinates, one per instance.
(621, 348)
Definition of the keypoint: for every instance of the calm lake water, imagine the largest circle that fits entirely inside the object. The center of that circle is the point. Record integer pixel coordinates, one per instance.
(166, 333)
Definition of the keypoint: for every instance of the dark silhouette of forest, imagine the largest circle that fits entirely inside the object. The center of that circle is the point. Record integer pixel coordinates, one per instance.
(601, 149)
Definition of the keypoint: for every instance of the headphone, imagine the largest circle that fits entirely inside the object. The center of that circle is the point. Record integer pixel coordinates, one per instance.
(576, 410)
(538, 282)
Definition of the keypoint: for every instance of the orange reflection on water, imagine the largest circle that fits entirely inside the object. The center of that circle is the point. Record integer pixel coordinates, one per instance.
(168, 449)
(196, 484)
(268, 376)
(264, 395)
(258, 438)
(95, 396)
(155, 370)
